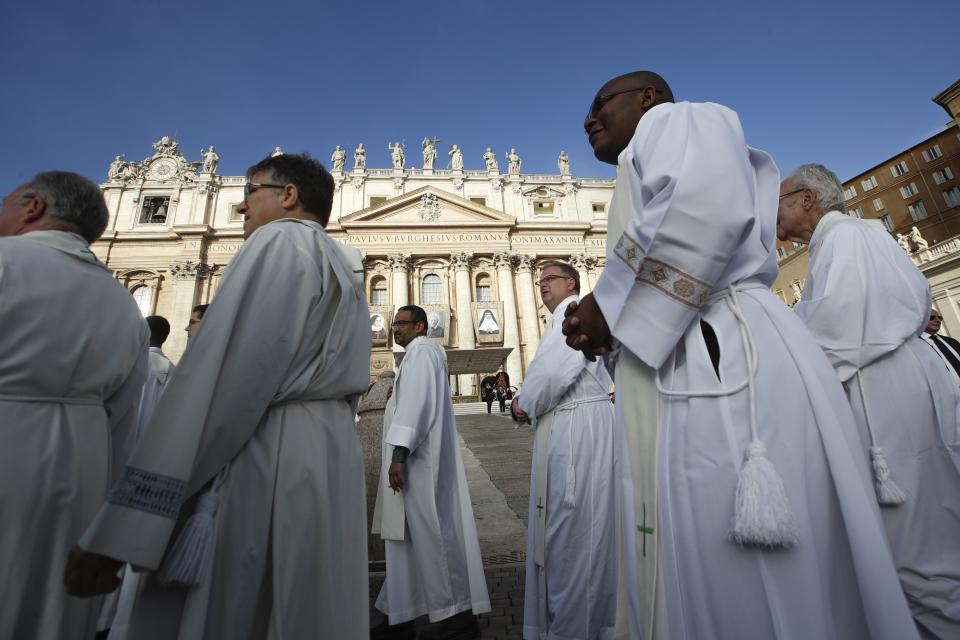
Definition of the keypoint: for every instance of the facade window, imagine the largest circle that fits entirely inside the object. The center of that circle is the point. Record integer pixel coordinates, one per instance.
(952, 197)
(375, 200)
(483, 288)
(431, 289)
(932, 153)
(899, 169)
(154, 210)
(781, 253)
(235, 215)
(542, 208)
(887, 222)
(143, 296)
(877, 204)
(917, 210)
(909, 190)
(479, 200)
(869, 183)
(378, 292)
(856, 213)
(599, 207)
(942, 175)
(849, 192)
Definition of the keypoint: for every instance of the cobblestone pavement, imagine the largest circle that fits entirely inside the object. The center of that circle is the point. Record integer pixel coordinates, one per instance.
(497, 461)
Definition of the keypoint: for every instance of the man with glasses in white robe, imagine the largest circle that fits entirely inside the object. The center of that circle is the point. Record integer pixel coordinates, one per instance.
(744, 453)
(572, 533)
(244, 497)
(866, 304)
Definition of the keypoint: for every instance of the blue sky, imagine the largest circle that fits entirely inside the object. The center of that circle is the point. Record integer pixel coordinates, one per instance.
(846, 84)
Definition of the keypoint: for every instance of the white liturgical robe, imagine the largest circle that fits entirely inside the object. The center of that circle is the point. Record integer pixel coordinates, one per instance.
(73, 358)
(436, 568)
(866, 303)
(262, 400)
(691, 241)
(572, 571)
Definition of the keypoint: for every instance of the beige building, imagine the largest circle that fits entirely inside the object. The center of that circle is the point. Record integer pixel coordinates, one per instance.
(466, 245)
(916, 195)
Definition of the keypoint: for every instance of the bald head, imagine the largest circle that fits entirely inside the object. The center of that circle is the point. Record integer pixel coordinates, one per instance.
(618, 107)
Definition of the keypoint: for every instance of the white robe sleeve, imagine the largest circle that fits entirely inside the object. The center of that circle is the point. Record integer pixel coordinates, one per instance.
(690, 184)
(867, 297)
(420, 392)
(553, 371)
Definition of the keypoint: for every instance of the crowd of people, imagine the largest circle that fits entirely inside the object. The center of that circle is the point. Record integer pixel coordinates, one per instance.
(763, 472)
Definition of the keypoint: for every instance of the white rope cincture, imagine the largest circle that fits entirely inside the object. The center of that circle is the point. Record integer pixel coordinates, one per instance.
(888, 493)
(186, 564)
(762, 515)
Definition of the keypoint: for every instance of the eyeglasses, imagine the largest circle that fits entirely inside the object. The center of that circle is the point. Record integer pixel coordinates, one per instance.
(790, 193)
(398, 323)
(250, 187)
(546, 279)
(603, 98)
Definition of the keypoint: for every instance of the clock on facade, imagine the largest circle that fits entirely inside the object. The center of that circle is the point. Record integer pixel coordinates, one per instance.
(163, 169)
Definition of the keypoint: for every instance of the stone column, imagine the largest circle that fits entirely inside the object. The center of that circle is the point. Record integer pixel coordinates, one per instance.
(581, 262)
(186, 276)
(460, 262)
(527, 297)
(511, 334)
(399, 266)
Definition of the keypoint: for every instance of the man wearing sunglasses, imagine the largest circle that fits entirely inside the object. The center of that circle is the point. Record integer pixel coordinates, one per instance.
(751, 502)
(947, 347)
(866, 303)
(243, 499)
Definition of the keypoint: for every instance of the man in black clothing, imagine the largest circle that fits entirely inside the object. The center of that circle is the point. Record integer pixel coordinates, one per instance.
(948, 348)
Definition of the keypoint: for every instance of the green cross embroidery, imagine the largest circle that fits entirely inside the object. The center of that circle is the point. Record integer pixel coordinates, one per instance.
(644, 529)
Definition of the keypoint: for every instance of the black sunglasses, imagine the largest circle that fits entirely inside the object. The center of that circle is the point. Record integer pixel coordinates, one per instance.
(250, 187)
(603, 98)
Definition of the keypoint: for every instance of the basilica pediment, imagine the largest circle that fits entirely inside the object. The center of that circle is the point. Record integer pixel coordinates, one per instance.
(427, 207)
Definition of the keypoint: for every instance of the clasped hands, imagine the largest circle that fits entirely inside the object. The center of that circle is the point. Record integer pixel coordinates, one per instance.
(586, 328)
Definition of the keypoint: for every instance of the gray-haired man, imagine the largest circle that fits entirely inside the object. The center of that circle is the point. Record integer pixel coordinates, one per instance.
(866, 303)
(69, 393)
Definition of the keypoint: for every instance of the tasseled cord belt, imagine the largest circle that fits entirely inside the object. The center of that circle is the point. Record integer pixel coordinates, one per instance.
(762, 515)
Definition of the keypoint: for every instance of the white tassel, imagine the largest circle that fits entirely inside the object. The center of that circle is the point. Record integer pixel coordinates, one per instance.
(762, 515)
(187, 562)
(568, 495)
(888, 493)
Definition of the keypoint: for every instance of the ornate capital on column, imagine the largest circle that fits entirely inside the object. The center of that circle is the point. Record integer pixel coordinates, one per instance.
(525, 262)
(583, 261)
(503, 261)
(461, 261)
(400, 261)
(189, 270)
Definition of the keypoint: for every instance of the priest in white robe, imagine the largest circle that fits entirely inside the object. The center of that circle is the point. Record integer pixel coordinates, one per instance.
(760, 518)
(423, 509)
(246, 491)
(73, 357)
(866, 304)
(572, 534)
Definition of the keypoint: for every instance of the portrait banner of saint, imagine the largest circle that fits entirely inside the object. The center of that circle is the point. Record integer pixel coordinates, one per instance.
(438, 323)
(380, 317)
(488, 319)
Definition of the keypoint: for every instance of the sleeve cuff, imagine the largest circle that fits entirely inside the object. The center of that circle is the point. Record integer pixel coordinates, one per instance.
(401, 436)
